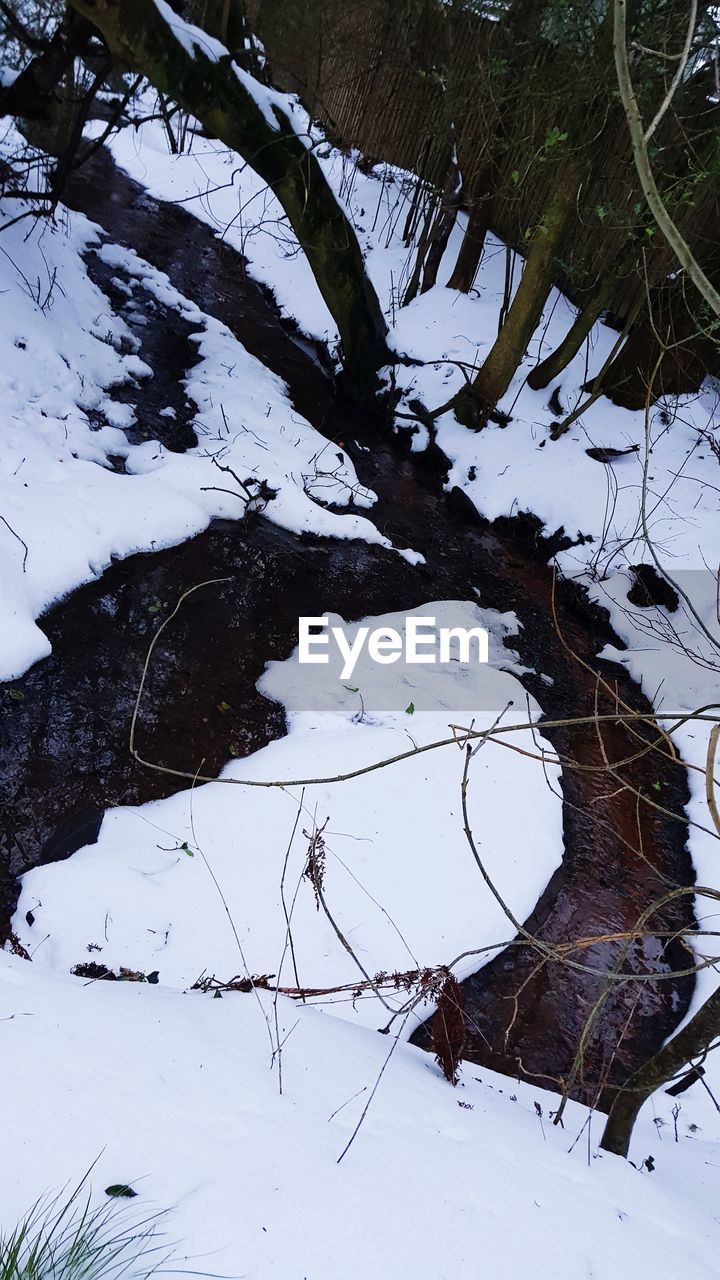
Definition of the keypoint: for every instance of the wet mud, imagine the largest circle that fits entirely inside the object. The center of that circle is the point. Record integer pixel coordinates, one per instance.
(64, 727)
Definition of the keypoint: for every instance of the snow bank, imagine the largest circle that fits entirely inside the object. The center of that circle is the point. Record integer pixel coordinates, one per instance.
(65, 510)
(400, 880)
(176, 1095)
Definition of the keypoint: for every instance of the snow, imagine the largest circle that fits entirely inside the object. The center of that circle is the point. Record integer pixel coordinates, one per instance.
(175, 1094)
(193, 39)
(240, 207)
(275, 106)
(61, 353)
(141, 901)
(179, 1092)
(669, 487)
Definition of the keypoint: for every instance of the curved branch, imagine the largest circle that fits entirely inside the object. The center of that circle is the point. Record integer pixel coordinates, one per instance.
(638, 137)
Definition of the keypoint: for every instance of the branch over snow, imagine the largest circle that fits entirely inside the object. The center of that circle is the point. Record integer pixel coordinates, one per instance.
(197, 71)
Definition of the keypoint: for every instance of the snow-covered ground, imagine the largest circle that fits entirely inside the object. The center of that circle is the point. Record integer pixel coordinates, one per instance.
(181, 1096)
(176, 1094)
(65, 511)
(167, 886)
(669, 487)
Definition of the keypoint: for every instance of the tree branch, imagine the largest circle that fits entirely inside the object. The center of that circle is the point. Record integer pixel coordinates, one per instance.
(641, 156)
(196, 71)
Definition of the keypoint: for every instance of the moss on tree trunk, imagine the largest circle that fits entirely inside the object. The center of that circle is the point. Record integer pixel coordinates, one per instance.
(527, 306)
(598, 302)
(470, 253)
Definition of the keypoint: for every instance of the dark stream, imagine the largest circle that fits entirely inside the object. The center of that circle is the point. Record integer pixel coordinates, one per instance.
(64, 727)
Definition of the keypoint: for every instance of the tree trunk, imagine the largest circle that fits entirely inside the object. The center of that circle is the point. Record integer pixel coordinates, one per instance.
(692, 1042)
(436, 233)
(33, 95)
(468, 259)
(600, 298)
(667, 351)
(447, 218)
(506, 354)
(255, 122)
(413, 285)
(513, 45)
(439, 225)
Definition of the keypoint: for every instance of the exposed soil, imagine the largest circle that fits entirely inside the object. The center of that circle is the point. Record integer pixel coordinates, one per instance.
(64, 726)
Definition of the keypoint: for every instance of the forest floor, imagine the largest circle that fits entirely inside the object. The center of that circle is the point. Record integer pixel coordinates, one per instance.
(133, 361)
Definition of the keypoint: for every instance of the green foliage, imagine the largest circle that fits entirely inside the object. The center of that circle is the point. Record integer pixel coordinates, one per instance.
(572, 25)
(64, 1238)
(553, 137)
(496, 68)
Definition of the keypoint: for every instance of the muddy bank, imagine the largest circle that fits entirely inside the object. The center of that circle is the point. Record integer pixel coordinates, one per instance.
(63, 743)
(621, 854)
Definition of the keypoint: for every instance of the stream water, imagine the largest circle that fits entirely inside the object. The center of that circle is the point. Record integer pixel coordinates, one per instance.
(64, 726)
